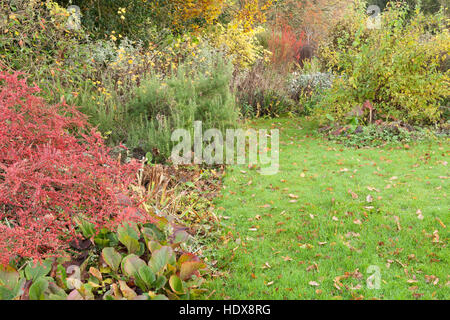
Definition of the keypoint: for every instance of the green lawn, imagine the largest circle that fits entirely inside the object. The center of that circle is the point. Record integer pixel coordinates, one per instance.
(381, 207)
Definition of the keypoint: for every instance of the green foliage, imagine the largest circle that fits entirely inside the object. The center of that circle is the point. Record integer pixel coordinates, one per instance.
(378, 135)
(427, 6)
(10, 283)
(397, 69)
(159, 106)
(261, 91)
(35, 39)
(306, 87)
(132, 19)
(242, 46)
(268, 103)
(159, 270)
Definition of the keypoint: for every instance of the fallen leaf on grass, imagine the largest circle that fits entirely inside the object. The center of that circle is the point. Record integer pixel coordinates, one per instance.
(397, 221)
(313, 283)
(354, 195)
(441, 223)
(435, 236)
(419, 214)
(373, 189)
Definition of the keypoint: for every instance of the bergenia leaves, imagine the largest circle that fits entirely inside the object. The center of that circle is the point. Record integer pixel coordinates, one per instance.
(112, 258)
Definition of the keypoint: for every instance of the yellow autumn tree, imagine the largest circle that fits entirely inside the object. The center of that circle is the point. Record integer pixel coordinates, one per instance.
(249, 13)
(187, 11)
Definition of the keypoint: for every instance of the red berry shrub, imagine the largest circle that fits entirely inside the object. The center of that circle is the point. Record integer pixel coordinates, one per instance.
(53, 169)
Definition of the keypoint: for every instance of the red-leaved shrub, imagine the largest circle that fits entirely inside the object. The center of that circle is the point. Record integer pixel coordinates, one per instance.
(53, 169)
(285, 46)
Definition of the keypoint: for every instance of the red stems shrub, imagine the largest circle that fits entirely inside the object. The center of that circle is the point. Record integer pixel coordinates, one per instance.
(54, 169)
(285, 46)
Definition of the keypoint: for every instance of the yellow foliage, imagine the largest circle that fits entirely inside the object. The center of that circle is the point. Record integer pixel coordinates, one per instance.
(252, 12)
(191, 9)
(238, 43)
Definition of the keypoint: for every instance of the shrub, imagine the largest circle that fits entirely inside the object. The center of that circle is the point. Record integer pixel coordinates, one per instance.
(136, 262)
(380, 134)
(161, 105)
(309, 83)
(341, 37)
(285, 47)
(261, 91)
(268, 103)
(35, 39)
(393, 74)
(241, 45)
(53, 172)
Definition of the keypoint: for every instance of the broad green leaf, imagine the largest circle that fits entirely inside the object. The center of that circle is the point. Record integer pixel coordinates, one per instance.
(131, 243)
(160, 258)
(38, 288)
(147, 275)
(112, 258)
(153, 246)
(6, 294)
(129, 236)
(131, 265)
(9, 277)
(56, 293)
(188, 269)
(187, 257)
(38, 270)
(176, 284)
(160, 282)
(126, 290)
(181, 236)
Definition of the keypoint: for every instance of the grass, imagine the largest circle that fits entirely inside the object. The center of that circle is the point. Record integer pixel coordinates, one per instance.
(326, 243)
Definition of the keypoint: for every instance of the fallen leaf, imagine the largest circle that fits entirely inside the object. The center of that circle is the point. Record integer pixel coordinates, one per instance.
(354, 195)
(419, 214)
